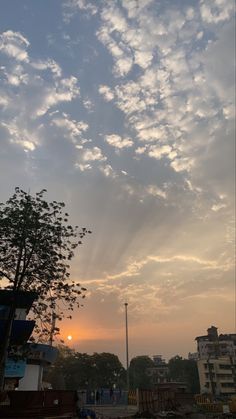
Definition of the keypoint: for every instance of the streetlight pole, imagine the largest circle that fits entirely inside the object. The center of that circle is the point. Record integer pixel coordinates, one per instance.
(127, 345)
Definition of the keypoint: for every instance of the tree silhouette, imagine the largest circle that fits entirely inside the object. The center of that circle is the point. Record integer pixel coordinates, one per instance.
(85, 372)
(184, 370)
(36, 246)
(138, 372)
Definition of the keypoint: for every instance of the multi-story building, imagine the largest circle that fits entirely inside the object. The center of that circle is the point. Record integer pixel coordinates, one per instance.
(217, 376)
(159, 372)
(217, 362)
(215, 345)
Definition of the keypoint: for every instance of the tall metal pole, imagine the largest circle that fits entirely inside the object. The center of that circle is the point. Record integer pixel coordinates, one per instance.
(52, 331)
(127, 345)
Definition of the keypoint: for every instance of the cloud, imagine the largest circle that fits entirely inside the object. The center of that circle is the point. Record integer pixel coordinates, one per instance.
(114, 21)
(93, 154)
(74, 129)
(218, 207)
(155, 191)
(214, 12)
(175, 100)
(108, 171)
(118, 142)
(14, 44)
(65, 90)
(29, 89)
(89, 105)
(4, 100)
(50, 64)
(106, 92)
(72, 7)
(140, 150)
(162, 294)
(135, 267)
(165, 88)
(221, 77)
(21, 136)
(129, 98)
(158, 152)
(16, 75)
(83, 167)
(182, 164)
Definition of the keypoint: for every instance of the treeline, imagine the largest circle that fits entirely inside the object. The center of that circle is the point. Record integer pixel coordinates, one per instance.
(74, 370)
(179, 370)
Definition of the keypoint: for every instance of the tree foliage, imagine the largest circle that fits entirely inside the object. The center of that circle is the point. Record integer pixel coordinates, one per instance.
(184, 370)
(36, 246)
(74, 370)
(138, 375)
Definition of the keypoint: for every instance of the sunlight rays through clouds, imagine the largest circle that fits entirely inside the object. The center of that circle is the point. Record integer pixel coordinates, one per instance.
(124, 109)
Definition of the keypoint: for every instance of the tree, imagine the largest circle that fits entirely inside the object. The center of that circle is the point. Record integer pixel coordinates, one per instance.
(83, 371)
(36, 245)
(184, 370)
(108, 370)
(138, 374)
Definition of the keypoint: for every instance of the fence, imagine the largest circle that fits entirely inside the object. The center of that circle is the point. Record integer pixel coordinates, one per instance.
(206, 403)
(28, 404)
(156, 400)
(106, 396)
(133, 397)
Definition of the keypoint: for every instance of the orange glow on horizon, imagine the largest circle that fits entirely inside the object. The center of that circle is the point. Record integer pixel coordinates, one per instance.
(79, 334)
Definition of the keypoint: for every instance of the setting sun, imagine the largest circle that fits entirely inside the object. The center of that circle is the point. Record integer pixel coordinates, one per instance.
(69, 337)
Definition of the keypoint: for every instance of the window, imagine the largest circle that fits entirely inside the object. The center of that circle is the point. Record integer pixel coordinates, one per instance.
(208, 365)
(227, 385)
(225, 366)
(208, 375)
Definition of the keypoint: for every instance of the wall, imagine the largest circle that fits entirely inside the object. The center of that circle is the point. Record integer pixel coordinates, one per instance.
(32, 379)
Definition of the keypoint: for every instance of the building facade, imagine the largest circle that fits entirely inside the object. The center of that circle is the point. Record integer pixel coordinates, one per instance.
(159, 373)
(217, 363)
(25, 362)
(214, 345)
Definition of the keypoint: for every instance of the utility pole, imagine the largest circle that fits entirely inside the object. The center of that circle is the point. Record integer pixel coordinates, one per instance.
(127, 346)
(52, 331)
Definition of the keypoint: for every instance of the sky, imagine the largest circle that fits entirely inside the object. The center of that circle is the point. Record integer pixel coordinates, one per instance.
(124, 110)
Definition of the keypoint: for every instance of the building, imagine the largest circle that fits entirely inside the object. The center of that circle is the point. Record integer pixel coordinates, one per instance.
(159, 373)
(39, 356)
(20, 333)
(25, 362)
(217, 363)
(215, 345)
(217, 376)
(193, 356)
